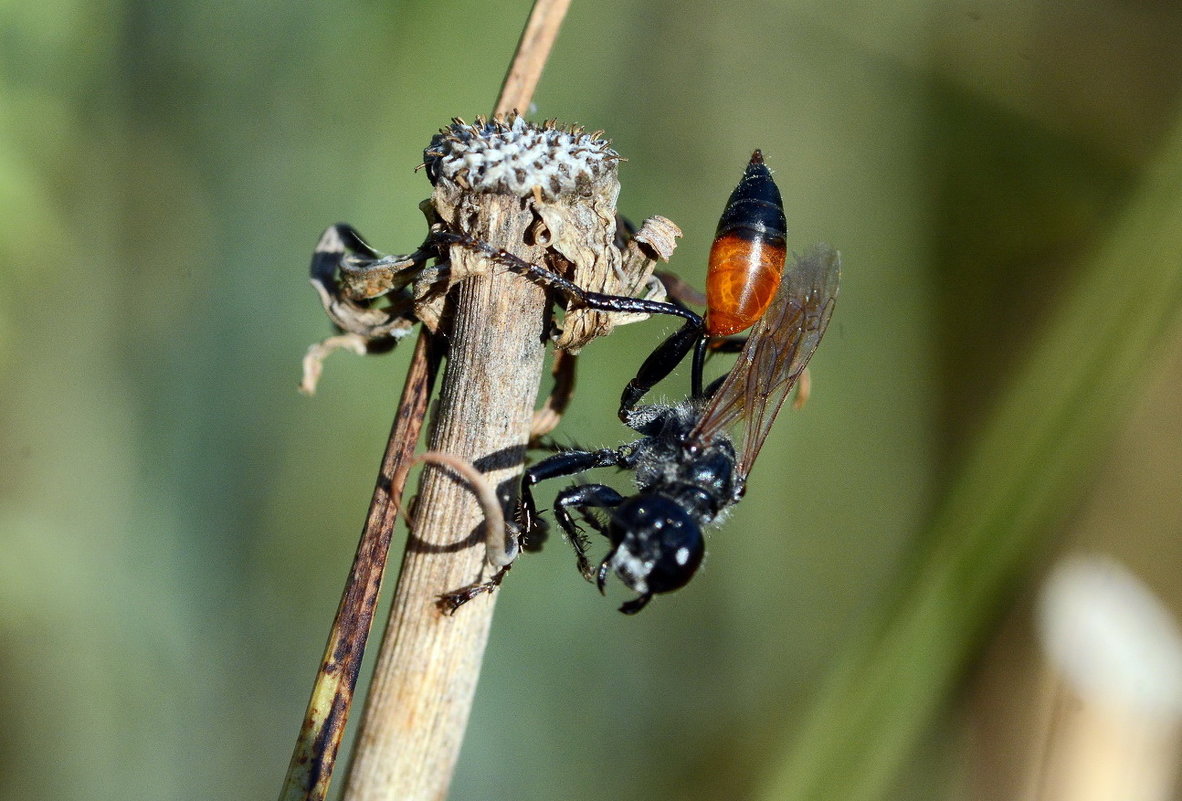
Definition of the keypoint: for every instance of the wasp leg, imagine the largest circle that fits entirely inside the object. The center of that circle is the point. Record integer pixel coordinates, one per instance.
(727, 345)
(449, 602)
(661, 362)
(680, 293)
(565, 463)
(583, 497)
(575, 296)
(657, 366)
(532, 530)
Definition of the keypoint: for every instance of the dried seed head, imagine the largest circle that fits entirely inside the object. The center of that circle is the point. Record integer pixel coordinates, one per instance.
(512, 156)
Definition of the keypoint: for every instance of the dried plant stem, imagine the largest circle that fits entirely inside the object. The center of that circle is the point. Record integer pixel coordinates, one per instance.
(426, 674)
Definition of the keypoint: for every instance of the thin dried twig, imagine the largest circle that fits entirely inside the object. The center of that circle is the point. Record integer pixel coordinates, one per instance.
(312, 762)
(533, 49)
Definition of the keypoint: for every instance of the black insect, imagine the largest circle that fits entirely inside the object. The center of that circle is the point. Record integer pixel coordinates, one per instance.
(692, 459)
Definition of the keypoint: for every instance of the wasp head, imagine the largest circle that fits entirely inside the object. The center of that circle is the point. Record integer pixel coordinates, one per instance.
(656, 547)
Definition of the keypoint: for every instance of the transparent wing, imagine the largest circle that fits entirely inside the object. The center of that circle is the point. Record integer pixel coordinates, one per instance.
(775, 355)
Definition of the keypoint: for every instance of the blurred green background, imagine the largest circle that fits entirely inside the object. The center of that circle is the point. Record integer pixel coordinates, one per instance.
(176, 521)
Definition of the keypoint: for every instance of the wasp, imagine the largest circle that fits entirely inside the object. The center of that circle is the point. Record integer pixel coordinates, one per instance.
(692, 458)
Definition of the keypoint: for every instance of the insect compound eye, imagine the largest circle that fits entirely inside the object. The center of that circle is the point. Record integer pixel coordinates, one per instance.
(658, 543)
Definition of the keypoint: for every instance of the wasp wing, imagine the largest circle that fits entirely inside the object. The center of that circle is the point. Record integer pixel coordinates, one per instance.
(775, 355)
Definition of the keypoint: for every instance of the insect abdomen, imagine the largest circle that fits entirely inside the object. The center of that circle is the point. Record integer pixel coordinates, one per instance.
(747, 257)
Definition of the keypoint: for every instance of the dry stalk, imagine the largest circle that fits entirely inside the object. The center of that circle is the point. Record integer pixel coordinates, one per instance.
(426, 674)
(517, 90)
(320, 735)
(547, 195)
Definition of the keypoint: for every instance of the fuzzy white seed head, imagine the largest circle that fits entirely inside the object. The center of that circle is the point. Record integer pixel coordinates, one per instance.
(516, 157)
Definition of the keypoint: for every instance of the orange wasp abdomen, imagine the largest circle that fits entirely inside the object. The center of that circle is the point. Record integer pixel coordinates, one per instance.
(747, 257)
